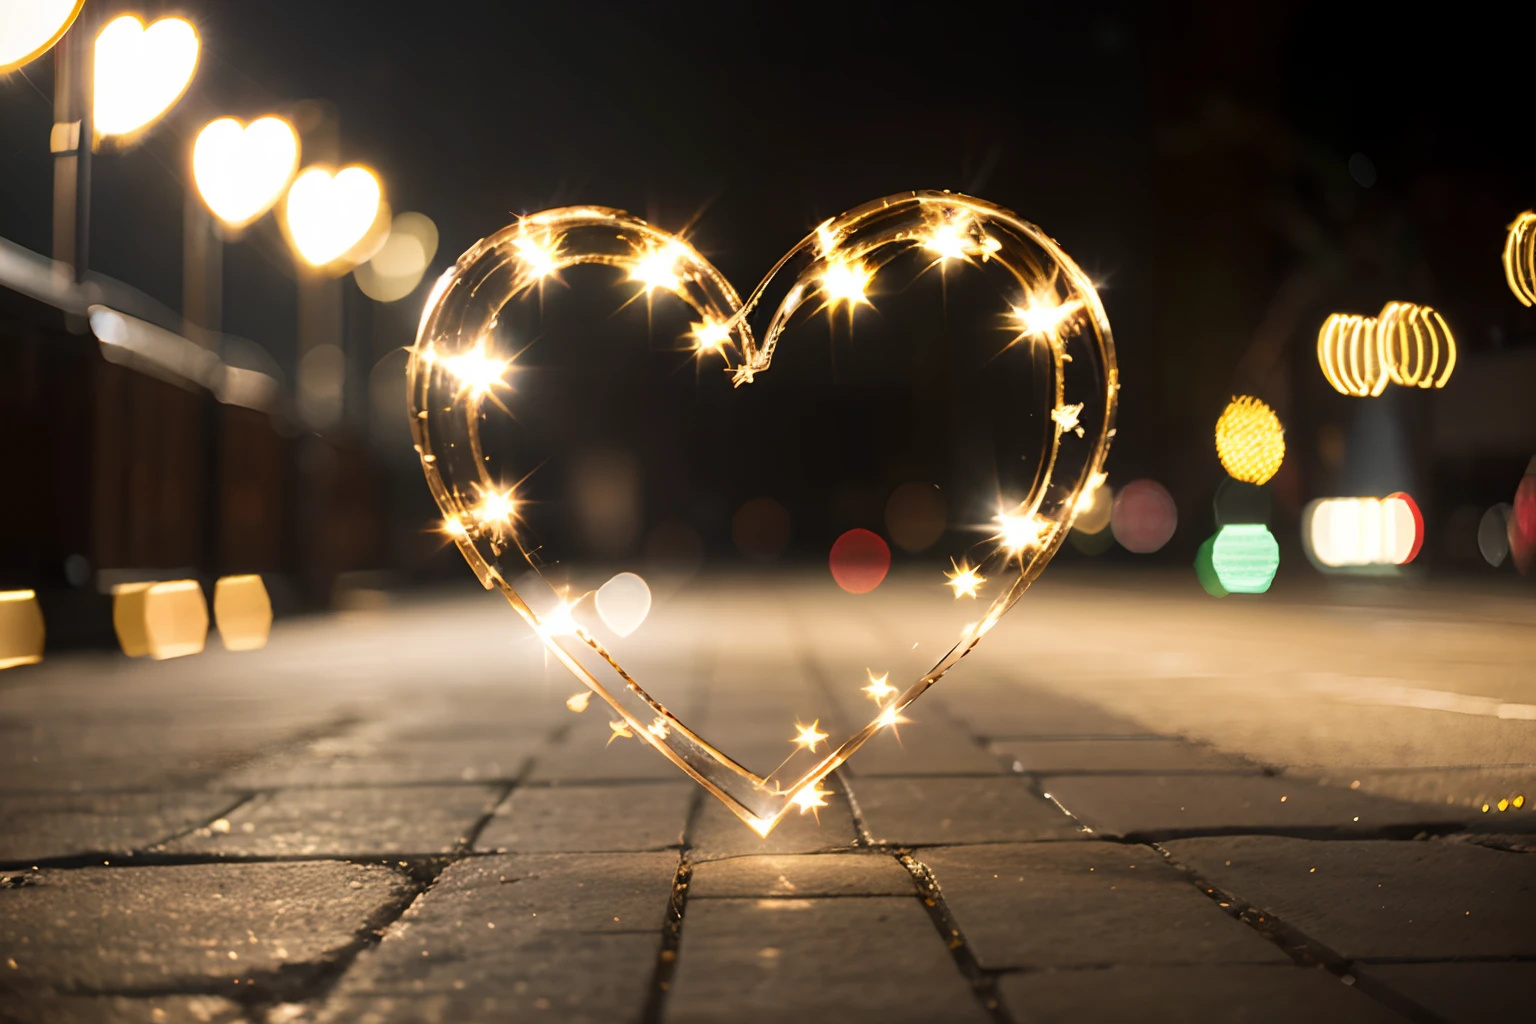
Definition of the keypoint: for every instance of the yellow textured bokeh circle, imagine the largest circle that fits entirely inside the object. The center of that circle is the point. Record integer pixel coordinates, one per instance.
(1250, 440)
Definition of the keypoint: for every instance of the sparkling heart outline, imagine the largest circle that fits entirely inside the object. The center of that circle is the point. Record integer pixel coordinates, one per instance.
(541, 244)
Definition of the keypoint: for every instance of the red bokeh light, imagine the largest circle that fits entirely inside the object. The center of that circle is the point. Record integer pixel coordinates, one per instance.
(1144, 516)
(1418, 524)
(859, 561)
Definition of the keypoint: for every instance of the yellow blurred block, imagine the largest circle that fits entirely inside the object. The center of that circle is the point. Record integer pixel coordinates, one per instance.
(243, 612)
(21, 629)
(161, 620)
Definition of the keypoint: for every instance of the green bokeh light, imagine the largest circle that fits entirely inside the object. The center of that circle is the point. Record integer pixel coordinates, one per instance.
(1241, 558)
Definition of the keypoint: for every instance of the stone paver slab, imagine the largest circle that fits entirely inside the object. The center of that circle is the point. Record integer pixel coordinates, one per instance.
(716, 832)
(496, 936)
(1000, 709)
(1085, 904)
(1236, 994)
(590, 819)
(43, 825)
(936, 811)
(1380, 898)
(588, 757)
(59, 1009)
(802, 876)
(356, 822)
(1170, 805)
(1466, 993)
(1046, 757)
(157, 928)
(923, 748)
(353, 761)
(876, 959)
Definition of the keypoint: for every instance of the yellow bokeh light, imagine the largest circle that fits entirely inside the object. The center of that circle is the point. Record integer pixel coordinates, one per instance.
(1417, 347)
(1406, 344)
(329, 217)
(30, 28)
(1520, 258)
(21, 628)
(241, 170)
(1250, 440)
(139, 72)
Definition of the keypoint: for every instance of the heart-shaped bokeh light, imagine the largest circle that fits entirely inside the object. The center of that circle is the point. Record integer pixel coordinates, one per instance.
(331, 218)
(140, 72)
(988, 375)
(29, 28)
(241, 170)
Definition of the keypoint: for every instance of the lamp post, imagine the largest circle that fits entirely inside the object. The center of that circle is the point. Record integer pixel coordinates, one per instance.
(70, 143)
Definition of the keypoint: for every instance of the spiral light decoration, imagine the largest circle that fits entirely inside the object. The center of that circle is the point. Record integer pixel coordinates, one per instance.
(1520, 258)
(1406, 344)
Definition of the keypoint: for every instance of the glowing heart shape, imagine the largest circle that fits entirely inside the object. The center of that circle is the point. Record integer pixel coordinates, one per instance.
(1027, 398)
(140, 72)
(29, 28)
(331, 219)
(241, 170)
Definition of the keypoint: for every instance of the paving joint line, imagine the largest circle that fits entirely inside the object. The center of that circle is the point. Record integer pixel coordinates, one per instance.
(1304, 950)
(983, 981)
(672, 930)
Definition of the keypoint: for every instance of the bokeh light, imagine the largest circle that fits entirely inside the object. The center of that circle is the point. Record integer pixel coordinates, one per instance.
(1520, 258)
(1250, 440)
(21, 629)
(760, 529)
(1356, 532)
(139, 72)
(1144, 516)
(1093, 510)
(1241, 558)
(915, 516)
(332, 219)
(242, 611)
(30, 28)
(1493, 534)
(241, 170)
(1350, 356)
(1417, 346)
(398, 267)
(1522, 522)
(859, 561)
(160, 620)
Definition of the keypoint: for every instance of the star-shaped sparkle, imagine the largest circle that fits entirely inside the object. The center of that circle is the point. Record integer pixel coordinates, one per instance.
(810, 737)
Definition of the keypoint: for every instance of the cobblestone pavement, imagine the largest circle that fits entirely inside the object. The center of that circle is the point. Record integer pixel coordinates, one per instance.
(1133, 802)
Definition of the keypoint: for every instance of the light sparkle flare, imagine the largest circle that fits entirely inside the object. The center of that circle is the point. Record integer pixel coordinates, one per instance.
(478, 372)
(845, 281)
(710, 336)
(879, 686)
(964, 579)
(656, 267)
(811, 798)
(809, 736)
(1016, 532)
(1042, 316)
(539, 254)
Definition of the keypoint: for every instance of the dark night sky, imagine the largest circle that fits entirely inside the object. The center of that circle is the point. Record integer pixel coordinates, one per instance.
(1193, 157)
